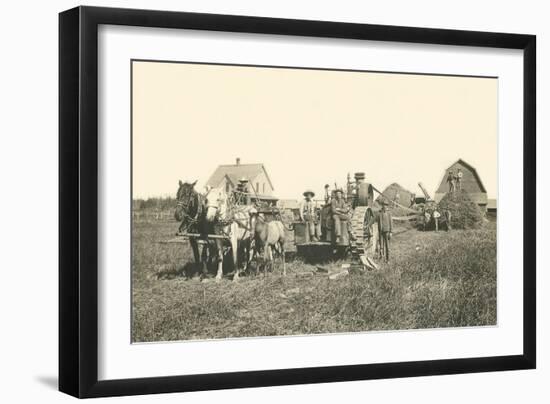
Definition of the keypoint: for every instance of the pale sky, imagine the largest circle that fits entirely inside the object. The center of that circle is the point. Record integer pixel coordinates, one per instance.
(308, 127)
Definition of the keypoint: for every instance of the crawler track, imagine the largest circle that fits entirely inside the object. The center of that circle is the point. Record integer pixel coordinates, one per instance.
(360, 230)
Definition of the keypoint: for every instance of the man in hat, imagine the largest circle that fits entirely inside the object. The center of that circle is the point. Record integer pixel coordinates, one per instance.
(307, 214)
(339, 209)
(241, 195)
(385, 230)
(451, 182)
(458, 179)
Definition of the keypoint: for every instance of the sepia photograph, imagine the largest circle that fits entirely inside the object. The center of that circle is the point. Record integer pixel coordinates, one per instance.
(283, 201)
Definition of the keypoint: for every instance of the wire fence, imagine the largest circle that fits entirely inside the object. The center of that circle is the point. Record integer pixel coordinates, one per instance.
(147, 215)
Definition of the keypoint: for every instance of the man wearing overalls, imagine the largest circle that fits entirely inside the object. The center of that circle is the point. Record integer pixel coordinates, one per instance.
(340, 210)
(307, 214)
(385, 230)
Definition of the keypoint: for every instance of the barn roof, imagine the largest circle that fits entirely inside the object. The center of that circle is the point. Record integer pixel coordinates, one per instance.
(469, 167)
(234, 172)
(472, 168)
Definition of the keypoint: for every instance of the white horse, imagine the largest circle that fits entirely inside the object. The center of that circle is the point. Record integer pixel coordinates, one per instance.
(232, 221)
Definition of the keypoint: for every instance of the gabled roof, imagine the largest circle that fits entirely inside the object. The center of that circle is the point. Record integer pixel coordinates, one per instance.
(478, 178)
(234, 172)
(468, 166)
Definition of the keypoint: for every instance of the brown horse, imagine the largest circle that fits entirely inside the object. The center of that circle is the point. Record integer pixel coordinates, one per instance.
(268, 235)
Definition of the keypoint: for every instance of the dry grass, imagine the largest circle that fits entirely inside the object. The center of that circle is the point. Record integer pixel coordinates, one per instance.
(434, 280)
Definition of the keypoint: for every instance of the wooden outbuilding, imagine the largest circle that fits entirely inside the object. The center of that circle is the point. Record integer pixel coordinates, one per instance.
(492, 208)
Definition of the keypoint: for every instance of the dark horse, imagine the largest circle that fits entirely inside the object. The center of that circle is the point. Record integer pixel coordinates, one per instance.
(191, 212)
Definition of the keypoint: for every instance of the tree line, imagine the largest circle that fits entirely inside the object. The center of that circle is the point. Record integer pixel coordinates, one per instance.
(157, 203)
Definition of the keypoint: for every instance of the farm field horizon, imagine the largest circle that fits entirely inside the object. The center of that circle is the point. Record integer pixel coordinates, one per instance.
(433, 280)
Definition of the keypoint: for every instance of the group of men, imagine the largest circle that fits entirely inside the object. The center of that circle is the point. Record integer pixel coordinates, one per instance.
(433, 213)
(339, 211)
(454, 179)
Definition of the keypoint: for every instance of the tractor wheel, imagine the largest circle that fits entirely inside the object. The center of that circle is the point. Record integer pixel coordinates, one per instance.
(362, 216)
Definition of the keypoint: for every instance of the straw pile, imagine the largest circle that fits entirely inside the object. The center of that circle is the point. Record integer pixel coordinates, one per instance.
(396, 193)
(465, 214)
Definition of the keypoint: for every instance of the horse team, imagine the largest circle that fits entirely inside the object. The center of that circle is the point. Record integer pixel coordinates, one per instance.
(239, 229)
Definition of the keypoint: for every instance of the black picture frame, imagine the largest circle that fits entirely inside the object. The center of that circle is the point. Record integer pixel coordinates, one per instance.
(78, 201)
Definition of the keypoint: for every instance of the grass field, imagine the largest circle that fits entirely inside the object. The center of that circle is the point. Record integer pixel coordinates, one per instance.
(433, 280)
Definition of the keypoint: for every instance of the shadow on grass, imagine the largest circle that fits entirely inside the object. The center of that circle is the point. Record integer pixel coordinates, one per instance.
(190, 270)
(167, 272)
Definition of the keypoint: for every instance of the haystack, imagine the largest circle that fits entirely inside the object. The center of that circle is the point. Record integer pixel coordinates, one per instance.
(396, 193)
(465, 214)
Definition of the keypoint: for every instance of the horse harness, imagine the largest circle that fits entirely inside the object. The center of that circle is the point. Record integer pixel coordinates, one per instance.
(190, 220)
(223, 223)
